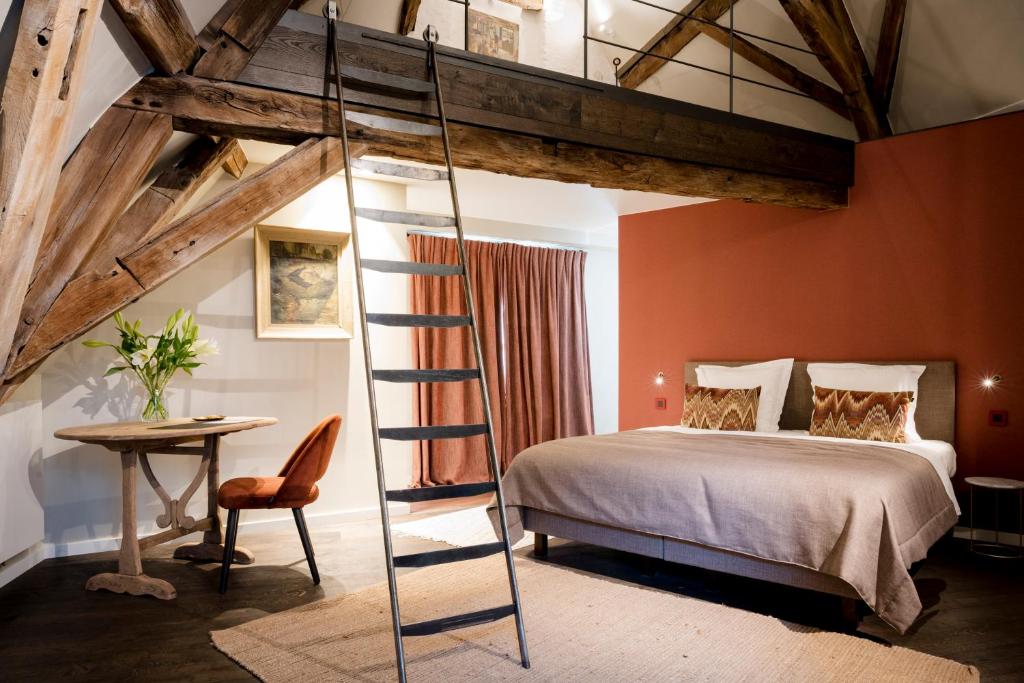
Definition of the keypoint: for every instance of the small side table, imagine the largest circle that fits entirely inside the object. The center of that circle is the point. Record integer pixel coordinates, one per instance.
(997, 549)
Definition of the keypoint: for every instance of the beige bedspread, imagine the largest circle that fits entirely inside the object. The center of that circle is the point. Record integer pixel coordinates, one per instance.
(861, 512)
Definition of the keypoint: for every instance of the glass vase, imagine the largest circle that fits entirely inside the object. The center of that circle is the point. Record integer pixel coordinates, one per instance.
(154, 409)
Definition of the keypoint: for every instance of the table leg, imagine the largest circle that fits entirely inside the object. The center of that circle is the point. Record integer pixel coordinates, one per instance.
(211, 549)
(129, 577)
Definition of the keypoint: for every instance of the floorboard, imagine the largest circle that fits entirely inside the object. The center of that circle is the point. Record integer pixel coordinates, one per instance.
(51, 628)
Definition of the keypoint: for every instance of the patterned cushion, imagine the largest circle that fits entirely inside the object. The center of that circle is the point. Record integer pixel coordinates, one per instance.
(866, 415)
(723, 409)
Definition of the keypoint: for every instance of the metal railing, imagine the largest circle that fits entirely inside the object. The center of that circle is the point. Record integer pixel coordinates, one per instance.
(684, 16)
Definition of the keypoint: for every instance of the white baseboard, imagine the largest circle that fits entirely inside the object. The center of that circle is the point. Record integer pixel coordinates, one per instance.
(25, 560)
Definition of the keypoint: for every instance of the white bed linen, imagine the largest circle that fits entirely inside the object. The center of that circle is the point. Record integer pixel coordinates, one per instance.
(940, 454)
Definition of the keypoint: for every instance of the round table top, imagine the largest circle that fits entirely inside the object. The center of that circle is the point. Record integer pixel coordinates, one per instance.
(995, 482)
(178, 430)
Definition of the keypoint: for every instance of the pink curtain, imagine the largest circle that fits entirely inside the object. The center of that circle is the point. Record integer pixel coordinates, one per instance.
(533, 328)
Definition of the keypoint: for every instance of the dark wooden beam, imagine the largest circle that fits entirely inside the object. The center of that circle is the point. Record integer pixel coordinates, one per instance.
(826, 27)
(43, 83)
(91, 299)
(239, 33)
(218, 108)
(524, 100)
(95, 186)
(407, 19)
(670, 40)
(162, 30)
(889, 38)
(780, 69)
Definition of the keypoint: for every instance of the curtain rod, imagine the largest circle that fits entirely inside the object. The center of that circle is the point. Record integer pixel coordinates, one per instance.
(484, 238)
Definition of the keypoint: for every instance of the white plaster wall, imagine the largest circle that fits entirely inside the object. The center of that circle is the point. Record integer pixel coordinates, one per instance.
(21, 486)
(296, 381)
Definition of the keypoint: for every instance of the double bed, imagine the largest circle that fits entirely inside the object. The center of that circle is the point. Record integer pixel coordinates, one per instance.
(832, 515)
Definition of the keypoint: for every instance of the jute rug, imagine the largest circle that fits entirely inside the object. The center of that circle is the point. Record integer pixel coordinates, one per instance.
(579, 628)
(461, 528)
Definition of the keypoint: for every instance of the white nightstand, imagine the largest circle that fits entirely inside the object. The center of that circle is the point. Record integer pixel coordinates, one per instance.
(995, 548)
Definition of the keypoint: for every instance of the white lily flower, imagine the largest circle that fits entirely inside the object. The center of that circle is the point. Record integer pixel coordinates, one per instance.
(139, 358)
(206, 347)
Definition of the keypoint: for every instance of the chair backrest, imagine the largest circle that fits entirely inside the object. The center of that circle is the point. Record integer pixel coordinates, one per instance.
(308, 464)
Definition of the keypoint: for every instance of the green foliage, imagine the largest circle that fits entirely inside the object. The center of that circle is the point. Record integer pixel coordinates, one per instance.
(155, 358)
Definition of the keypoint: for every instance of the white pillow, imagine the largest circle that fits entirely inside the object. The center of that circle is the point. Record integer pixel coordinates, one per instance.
(863, 377)
(772, 376)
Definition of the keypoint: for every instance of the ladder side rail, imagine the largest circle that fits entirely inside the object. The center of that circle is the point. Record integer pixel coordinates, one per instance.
(471, 306)
(334, 54)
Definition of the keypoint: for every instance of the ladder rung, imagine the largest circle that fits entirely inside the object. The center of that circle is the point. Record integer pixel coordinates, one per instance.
(440, 492)
(392, 124)
(433, 557)
(425, 220)
(432, 432)
(411, 267)
(453, 375)
(379, 79)
(414, 320)
(426, 628)
(399, 170)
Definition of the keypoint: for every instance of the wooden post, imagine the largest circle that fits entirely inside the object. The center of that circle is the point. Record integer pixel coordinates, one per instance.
(42, 87)
(162, 30)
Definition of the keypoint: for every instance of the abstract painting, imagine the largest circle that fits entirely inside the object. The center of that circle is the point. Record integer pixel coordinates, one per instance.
(302, 288)
(493, 37)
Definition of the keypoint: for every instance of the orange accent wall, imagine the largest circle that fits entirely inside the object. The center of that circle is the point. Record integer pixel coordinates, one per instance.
(926, 263)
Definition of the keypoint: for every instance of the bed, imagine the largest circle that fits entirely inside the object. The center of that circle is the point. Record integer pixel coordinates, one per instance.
(832, 515)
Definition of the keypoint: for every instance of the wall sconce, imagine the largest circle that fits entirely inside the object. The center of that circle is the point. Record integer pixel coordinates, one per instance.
(991, 381)
(659, 379)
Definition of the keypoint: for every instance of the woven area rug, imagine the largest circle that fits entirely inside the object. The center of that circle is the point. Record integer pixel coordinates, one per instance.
(579, 628)
(461, 528)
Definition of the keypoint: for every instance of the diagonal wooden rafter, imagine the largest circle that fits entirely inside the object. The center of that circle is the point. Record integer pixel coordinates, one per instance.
(43, 83)
(826, 27)
(670, 40)
(91, 299)
(407, 19)
(886, 59)
(162, 30)
(95, 186)
(780, 69)
(238, 33)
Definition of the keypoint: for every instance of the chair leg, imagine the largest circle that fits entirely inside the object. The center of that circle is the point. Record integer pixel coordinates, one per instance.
(307, 546)
(229, 549)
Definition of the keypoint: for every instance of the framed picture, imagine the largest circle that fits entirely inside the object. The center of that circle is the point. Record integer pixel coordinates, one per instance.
(303, 284)
(493, 37)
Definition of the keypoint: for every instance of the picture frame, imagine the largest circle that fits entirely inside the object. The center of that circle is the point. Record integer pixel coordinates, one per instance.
(493, 37)
(303, 283)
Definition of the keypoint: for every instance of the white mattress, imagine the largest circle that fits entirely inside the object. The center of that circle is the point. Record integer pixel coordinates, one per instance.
(940, 454)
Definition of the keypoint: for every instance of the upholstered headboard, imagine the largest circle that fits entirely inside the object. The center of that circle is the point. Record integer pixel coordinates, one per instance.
(936, 400)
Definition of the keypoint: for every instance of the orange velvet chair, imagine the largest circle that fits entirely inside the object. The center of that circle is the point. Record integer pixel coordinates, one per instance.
(294, 487)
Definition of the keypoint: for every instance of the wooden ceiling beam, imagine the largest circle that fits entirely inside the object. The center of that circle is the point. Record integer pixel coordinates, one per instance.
(238, 34)
(780, 69)
(93, 298)
(826, 27)
(95, 187)
(407, 19)
(43, 84)
(155, 208)
(670, 40)
(236, 161)
(887, 58)
(162, 30)
(215, 108)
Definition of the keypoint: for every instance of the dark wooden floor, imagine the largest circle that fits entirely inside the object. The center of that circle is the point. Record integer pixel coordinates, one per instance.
(52, 629)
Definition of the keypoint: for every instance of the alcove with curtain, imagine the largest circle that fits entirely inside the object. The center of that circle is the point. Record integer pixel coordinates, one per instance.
(532, 318)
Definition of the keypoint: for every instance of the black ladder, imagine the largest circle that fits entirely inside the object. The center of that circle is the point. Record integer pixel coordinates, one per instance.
(421, 88)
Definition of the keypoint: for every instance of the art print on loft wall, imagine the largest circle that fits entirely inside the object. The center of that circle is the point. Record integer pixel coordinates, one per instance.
(493, 37)
(303, 284)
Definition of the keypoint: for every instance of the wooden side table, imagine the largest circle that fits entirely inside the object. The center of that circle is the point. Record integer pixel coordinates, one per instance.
(135, 441)
(997, 549)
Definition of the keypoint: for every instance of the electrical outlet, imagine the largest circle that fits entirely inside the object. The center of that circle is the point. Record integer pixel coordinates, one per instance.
(998, 418)
(661, 403)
